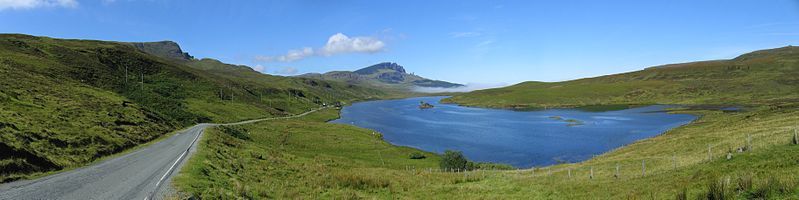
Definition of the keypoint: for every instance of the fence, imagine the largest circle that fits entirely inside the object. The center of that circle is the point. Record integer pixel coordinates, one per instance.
(645, 166)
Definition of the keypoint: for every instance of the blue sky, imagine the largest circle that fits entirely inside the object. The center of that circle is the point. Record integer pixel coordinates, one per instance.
(482, 42)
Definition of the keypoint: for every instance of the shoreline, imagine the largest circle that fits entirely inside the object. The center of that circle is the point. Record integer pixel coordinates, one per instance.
(579, 123)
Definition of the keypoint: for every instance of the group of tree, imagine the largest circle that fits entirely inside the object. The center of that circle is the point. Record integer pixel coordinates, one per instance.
(456, 161)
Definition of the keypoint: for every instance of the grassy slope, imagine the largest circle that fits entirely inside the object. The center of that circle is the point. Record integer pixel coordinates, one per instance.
(762, 77)
(308, 158)
(66, 103)
(300, 157)
(762, 80)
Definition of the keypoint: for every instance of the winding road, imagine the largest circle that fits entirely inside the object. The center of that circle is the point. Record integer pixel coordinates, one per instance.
(142, 174)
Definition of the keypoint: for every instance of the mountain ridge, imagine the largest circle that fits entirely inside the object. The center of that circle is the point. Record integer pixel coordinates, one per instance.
(760, 77)
(384, 74)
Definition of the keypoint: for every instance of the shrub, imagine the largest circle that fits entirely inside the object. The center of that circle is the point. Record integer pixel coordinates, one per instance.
(417, 155)
(494, 166)
(236, 132)
(452, 160)
(360, 182)
(745, 183)
(682, 195)
(717, 190)
(773, 187)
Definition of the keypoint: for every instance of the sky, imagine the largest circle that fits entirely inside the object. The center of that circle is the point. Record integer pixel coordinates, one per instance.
(489, 43)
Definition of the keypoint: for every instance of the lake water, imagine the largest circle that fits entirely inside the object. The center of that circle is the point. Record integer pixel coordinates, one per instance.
(520, 138)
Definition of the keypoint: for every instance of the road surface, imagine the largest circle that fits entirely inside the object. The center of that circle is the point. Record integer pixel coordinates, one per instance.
(143, 174)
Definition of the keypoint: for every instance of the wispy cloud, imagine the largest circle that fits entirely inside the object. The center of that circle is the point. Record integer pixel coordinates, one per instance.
(287, 71)
(290, 56)
(465, 34)
(772, 24)
(484, 43)
(259, 68)
(467, 88)
(31, 4)
(336, 44)
(784, 33)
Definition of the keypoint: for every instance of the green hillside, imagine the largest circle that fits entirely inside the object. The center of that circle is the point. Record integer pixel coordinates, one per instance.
(761, 77)
(307, 158)
(66, 103)
(746, 154)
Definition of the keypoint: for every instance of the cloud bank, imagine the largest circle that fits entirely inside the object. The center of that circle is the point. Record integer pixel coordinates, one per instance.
(30, 4)
(336, 44)
(467, 88)
(287, 71)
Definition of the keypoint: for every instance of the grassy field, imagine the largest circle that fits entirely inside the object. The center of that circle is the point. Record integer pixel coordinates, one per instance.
(66, 103)
(762, 77)
(689, 162)
(308, 159)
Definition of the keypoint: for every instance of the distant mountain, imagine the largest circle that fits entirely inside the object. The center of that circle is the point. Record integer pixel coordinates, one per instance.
(385, 74)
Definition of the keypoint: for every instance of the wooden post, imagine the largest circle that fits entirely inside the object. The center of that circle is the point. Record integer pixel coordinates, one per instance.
(570, 172)
(674, 159)
(643, 167)
(142, 79)
(592, 173)
(709, 154)
(617, 170)
(748, 142)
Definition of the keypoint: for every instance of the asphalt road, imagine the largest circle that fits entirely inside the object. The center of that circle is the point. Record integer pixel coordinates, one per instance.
(143, 174)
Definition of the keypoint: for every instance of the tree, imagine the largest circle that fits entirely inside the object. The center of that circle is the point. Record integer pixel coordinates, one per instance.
(452, 160)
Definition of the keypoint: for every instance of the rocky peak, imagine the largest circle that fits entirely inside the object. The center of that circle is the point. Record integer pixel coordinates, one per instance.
(164, 49)
(380, 66)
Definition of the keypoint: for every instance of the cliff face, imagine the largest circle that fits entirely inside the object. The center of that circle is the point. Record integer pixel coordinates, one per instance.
(164, 49)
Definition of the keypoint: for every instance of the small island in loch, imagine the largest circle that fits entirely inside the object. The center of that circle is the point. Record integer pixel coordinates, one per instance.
(425, 105)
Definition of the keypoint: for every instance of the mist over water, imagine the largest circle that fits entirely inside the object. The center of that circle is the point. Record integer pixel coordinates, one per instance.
(520, 138)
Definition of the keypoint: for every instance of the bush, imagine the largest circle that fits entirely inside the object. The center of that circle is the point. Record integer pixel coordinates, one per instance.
(745, 183)
(771, 188)
(361, 181)
(683, 194)
(417, 155)
(236, 132)
(492, 166)
(717, 189)
(452, 160)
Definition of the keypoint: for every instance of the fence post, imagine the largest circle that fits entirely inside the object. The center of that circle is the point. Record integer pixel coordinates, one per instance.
(570, 172)
(617, 171)
(748, 142)
(643, 167)
(709, 154)
(674, 159)
(592, 173)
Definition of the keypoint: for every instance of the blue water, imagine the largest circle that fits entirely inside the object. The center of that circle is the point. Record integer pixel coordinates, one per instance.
(519, 138)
